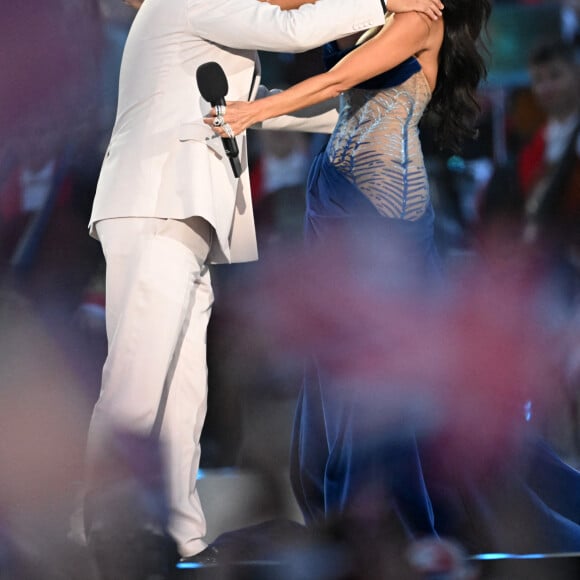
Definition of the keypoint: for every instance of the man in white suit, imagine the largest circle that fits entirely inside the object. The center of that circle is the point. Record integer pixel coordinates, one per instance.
(168, 205)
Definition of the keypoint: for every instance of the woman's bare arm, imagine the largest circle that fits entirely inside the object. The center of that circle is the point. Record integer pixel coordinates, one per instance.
(407, 35)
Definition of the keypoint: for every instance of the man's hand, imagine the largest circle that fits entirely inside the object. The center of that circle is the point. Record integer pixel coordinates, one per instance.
(432, 8)
(133, 3)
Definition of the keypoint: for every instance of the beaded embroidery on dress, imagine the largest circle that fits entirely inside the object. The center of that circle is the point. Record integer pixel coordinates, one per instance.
(376, 146)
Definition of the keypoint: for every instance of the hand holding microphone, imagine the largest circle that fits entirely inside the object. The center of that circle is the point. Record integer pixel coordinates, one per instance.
(213, 86)
(226, 119)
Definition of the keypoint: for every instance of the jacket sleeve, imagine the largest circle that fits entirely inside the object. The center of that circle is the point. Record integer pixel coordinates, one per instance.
(254, 25)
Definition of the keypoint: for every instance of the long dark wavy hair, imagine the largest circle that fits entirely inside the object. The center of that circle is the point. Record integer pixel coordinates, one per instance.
(454, 104)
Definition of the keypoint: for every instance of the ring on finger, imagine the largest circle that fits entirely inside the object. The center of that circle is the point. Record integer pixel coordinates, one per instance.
(218, 121)
(220, 110)
(226, 127)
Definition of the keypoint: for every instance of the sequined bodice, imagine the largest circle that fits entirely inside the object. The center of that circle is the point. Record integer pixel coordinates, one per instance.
(376, 146)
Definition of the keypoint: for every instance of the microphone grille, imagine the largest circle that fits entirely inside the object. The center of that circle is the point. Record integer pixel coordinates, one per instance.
(212, 82)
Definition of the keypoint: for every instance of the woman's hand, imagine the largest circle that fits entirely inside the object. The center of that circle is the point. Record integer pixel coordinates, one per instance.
(232, 119)
(432, 8)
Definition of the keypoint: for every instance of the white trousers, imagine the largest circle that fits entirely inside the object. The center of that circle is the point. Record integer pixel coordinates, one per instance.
(159, 300)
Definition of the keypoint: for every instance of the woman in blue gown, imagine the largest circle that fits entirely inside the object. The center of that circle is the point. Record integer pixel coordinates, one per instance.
(371, 178)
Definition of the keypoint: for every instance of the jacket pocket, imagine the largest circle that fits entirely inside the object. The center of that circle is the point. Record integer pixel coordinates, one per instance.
(201, 133)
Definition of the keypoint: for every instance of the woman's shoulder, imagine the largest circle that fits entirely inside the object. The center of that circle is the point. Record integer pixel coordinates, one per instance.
(416, 21)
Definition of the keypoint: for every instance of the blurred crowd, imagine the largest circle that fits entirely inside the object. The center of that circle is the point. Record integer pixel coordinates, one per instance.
(514, 192)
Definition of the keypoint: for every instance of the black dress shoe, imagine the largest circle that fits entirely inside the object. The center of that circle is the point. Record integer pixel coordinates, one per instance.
(207, 557)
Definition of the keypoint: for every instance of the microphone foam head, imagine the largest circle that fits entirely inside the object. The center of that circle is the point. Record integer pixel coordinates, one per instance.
(212, 82)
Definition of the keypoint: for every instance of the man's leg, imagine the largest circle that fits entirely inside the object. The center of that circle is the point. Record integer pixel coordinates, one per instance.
(158, 298)
(184, 410)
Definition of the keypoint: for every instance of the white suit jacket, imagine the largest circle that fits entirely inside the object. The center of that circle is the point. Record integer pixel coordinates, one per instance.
(162, 160)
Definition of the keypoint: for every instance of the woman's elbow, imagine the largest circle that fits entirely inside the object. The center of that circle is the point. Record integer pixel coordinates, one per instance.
(337, 83)
(339, 87)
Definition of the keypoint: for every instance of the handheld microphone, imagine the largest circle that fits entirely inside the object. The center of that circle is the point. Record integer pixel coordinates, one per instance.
(213, 86)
